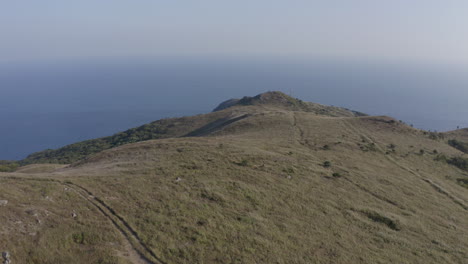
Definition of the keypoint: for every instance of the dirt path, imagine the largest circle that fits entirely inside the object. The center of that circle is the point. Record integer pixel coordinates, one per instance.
(299, 130)
(137, 251)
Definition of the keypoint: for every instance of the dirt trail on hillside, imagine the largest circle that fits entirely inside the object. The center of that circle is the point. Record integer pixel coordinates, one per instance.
(137, 251)
(301, 139)
(437, 187)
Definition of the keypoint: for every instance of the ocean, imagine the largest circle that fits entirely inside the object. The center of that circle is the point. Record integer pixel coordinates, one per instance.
(49, 105)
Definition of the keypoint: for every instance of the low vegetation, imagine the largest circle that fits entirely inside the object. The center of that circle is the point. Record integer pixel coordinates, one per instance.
(462, 146)
(81, 150)
(164, 128)
(336, 174)
(376, 217)
(459, 162)
(463, 182)
(8, 166)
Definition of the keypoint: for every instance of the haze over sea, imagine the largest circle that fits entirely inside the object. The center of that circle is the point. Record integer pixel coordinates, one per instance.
(49, 105)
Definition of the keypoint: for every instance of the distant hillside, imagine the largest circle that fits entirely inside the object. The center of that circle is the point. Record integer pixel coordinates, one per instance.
(165, 128)
(185, 126)
(459, 134)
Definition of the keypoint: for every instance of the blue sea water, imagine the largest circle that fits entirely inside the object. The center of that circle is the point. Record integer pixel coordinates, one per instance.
(48, 105)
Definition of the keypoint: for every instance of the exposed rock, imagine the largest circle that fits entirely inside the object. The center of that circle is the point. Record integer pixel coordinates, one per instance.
(3, 202)
(6, 257)
(74, 215)
(178, 179)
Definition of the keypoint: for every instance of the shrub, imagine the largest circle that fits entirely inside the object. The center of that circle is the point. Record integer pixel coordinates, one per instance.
(336, 175)
(441, 157)
(376, 217)
(85, 238)
(8, 166)
(243, 163)
(459, 162)
(369, 147)
(462, 146)
(463, 182)
(435, 135)
(327, 164)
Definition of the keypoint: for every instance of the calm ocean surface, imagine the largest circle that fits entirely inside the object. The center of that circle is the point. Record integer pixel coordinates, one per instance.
(54, 104)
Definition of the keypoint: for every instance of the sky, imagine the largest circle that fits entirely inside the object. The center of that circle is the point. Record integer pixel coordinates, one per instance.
(421, 31)
(75, 70)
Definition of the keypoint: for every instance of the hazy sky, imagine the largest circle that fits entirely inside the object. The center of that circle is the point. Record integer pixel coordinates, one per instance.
(415, 30)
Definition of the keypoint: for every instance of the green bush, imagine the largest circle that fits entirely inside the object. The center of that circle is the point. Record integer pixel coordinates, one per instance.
(462, 146)
(327, 164)
(8, 166)
(368, 147)
(376, 217)
(243, 163)
(459, 162)
(336, 175)
(81, 150)
(463, 182)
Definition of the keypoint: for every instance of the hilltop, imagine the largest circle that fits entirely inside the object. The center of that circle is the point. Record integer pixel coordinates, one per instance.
(263, 179)
(281, 100)
(459, 134)
(185, 126)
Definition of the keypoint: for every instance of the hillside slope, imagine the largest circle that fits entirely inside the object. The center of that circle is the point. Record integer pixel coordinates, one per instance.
(459, 134)
(257, 183)
(180, 127)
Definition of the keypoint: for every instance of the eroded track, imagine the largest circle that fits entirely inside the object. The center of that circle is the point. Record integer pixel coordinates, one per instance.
(137, 251)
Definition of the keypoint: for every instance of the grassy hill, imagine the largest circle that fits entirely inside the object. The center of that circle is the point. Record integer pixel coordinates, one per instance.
(459, 134)
(259, 181)
(180, 127)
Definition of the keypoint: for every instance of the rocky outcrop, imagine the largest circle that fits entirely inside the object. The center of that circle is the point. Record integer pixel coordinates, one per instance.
(6, 257)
